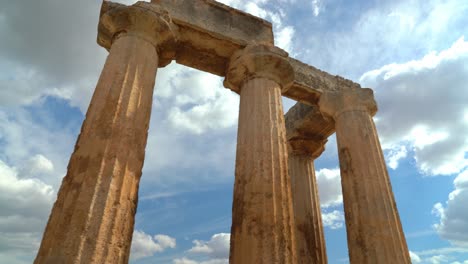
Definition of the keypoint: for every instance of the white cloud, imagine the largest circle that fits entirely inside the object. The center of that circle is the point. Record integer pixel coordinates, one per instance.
(197, 101)
(184, 261)
(38, 148)
(423, 107)
(414, 258)
(254, 9)
(144, 245)
(190, 261)
(333, 220)
(371, 35)
(329, 186)
(394, 155)
(213, 251)
(33, 156)
(316, 7)
(217, 247)
(438, 259)
(37, 166)
(442, 251)
(284, 38)
(453, 217)
(25, 204)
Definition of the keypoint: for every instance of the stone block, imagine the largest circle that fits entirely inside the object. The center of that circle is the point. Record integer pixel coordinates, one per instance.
(210, 32)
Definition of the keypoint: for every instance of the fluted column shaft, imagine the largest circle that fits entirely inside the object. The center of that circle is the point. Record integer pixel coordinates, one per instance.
(310, 240)
(262, 216)
(92, 220)
(373, 225)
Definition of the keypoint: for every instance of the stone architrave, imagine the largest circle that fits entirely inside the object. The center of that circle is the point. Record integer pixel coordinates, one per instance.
(93, 218)
(263, 224)
(310, 238)
(373, 225)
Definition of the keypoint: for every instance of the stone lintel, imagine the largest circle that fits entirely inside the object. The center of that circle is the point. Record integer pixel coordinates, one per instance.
(310, 82)
(209, 33)
(307, 129)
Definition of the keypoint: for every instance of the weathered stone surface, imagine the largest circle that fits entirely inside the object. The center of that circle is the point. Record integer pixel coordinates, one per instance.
(310, 240)
(310, 82)
(211, 32)
(205, 35)
(263, 225)
(373, 225)
(93, 218)
(265, 61)
(143, 20)
(307, 129)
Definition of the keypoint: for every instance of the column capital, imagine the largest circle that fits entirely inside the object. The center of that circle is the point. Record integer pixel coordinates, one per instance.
(259, 61)
(142, 20)
(348, 100)
(307, 147)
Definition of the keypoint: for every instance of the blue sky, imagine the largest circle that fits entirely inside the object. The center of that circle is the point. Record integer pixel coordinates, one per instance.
(413, 53)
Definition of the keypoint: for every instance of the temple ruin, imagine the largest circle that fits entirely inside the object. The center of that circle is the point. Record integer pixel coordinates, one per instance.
(276, 214)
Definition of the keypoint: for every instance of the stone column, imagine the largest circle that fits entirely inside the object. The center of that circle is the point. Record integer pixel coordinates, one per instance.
(92, 220)
(262, 215)
(310, 239)
(372, 222)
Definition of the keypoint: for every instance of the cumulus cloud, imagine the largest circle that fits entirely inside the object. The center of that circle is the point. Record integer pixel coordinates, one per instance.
(370, 35)
(453, 216)
(37, 49)
(25, 204)
(331, 197)
(329, 185)
(438, 259)
(213, 251)
(196, 101)
(38, 148)
(423, 106)
(216, 247)
(36, 166)
(394, 154)
(190, 261)
(144, 245)
(333, 219)
(414, 258)
(453, 255)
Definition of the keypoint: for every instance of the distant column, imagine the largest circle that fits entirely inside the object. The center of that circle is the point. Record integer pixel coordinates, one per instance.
(93, 218)
(310, 239)
(262, 215)
(372, 222)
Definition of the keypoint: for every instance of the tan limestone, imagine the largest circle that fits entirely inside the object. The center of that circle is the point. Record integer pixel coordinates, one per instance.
(307, 128)
(92, 220)
(373, 225)
(262, 225)
(310, 240)
(209, 33)
(307, 131)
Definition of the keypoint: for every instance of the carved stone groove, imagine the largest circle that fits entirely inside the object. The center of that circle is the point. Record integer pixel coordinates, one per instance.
(93, 218)
(373, 225)
(263, 226)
